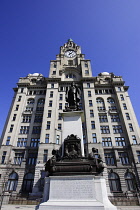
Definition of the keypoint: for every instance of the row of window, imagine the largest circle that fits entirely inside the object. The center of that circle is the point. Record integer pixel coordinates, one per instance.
(114, 182)
(102, 108)
(103, 129)
(116, 128)
(22, 142)
(106, 141)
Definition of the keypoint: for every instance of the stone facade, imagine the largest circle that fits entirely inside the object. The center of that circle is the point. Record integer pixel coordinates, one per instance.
(34, 126)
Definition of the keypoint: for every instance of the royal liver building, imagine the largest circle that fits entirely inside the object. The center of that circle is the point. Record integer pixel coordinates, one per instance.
(35, 127)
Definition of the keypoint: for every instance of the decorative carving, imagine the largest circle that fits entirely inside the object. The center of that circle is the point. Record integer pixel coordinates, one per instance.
(71, 161)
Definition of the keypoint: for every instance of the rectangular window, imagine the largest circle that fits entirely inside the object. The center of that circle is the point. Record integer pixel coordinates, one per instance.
(104, 129)
(11, 128)
(100, 101)
(127, 116)
(45, 156)
(61, 97)
(92, 124)
(70, 62)
(29, 109)
(86, 72)
(59, 116)
(103, 118)
(117, 129)
(19, 98)
(134, 139)
(120, 141)
(14, 117)
(110, 158)
(115, 118)
(90, 103)
(86, 65)
(32, 158)
(3, 157)
(34, 142)
(106, 142)
(54, 73)
(30, 92)
(61, 88)
(26, 119)
(101, 108)
(60, 106)
(94, 138)
(49, 113)
(24, 129)
(54, 65)
(17, 107)
(40, 101)
(130, 127)
(88, 85)
(57, 139)
(30, 101)
(40, 109)
(138, 154)
(36, 130)
(59, 126)
(89, 93)
(38, 118)
(22, 142)
(18, 158)
(122, 98)
(52, 85)
(51, 94)
(47, 138)
(8, 140)
(119, 88)
(91, 113)
(48, 125)
(123, 158)
(112, 108)
(50, 103)
(124, 106)
(22, 89)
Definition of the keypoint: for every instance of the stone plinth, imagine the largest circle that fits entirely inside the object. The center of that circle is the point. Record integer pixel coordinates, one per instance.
(72, 124)
(75, 193)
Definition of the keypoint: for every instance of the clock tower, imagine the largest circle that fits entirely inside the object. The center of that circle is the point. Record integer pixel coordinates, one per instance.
(70, 63)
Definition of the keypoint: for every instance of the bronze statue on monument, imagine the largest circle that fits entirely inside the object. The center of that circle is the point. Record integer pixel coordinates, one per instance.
(73, 95)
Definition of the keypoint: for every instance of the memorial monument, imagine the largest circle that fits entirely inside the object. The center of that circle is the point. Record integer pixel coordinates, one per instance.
(74, 181)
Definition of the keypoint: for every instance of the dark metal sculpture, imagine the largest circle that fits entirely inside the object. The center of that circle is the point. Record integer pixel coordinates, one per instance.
(71, 161)
(73, 97)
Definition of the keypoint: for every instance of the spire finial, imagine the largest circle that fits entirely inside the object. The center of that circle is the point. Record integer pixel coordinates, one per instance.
(70, 40)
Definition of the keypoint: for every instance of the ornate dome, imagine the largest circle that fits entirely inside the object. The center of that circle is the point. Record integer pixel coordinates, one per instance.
(105, 73)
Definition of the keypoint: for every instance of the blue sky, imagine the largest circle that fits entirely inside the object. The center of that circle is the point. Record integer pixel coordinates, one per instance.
(31, 32)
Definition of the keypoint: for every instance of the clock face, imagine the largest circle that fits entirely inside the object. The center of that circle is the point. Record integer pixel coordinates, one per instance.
(70, 53)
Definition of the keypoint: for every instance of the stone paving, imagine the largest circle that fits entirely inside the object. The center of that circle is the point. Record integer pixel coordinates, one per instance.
(33, 207)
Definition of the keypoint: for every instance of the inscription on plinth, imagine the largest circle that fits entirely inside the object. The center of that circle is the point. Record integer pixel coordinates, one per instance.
(72, 189)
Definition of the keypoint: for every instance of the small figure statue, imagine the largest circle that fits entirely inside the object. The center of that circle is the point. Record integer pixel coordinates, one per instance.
(73, 96)
(91, 155)
(96, 159)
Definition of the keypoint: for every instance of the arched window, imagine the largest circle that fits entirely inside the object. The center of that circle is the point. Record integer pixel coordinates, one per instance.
(99, 100)
(12, 182)
(28, 182)
(110, 100)
(100, 103)
(41, 101)
(130, 181)
(30, 101)
(114, 182)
